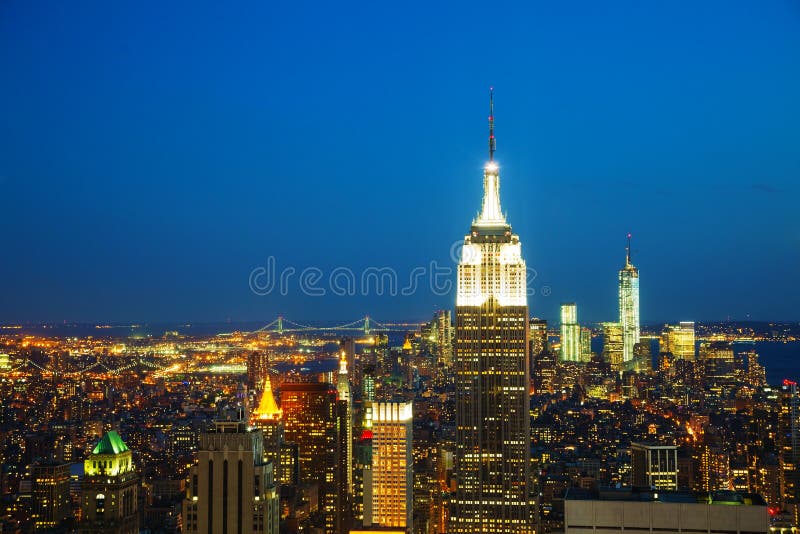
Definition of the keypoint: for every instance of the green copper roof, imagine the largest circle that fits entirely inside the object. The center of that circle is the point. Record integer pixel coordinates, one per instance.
(110, 444)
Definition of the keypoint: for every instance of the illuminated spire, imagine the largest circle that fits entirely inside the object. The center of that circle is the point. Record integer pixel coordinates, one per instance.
(267, 407)
(628, 251)
(491, 214)
(492, 142)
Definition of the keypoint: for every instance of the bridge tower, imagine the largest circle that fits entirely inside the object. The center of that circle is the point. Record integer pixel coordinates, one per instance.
(280, 324)
(366, 325)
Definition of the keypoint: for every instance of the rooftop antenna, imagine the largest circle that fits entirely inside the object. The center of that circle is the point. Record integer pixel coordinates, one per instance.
(628, 251)
(492, 142)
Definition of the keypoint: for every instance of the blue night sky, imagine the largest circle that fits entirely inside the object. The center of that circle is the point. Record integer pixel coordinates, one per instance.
(152, 155)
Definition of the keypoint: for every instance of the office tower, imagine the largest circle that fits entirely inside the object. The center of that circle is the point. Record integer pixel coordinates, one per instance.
(310, 421)
(756, 374)
(344, 448)
(679, 340)
(493, 491)
(231, 489)
(654, 466)
(613, 345)
(789, 440)
(391, 488)
(643, 356)
(586, 344)
(268, 418)
(570, 333)
(50, 501)
(362, 482)
(537, 344)
(717, 360)
(257, 368)
(381, 356)
(629, 305)
(444, 338)
(538, 336)
(288, 465)
(109, 492)
(544, 372)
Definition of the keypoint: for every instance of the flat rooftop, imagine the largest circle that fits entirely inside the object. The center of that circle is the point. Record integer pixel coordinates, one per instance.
(730, 498)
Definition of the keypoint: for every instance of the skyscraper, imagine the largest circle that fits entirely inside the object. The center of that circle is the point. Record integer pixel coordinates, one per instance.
(629, 305)
(310, 421)
(789, 439)
(268, 418)
(109, 500)
(231, 488)
(50, 503)
(679, 340)
(570, 333)
(344, 448)
(613, 344)
(493, 492)
(391, 488)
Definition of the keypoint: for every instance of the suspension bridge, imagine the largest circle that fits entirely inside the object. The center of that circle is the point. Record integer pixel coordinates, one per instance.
(366, 324)
(97, 366)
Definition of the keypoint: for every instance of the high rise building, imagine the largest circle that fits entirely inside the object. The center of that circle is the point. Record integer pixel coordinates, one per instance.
(50, 501)
(109, 491)
(679, 340)
(310, 421)
(654, 466)
(268, 418)
(493, 490)
(344, 448)
(789, 439)
(570, 333)
(717, 359)
(613, 345)
(362, 479)
(231, 489)
(586, 344)
(257, 368)
(444, 338)
(538, 336)
(629, 305)
(391, 489)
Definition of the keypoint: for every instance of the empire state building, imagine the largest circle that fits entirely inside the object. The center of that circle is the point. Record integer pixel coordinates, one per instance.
(494, 492)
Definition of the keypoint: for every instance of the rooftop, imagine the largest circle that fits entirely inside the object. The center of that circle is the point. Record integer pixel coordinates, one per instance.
(654, 495)
(111, 443)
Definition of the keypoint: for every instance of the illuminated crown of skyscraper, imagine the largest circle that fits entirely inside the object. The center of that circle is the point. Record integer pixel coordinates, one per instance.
(267, 407)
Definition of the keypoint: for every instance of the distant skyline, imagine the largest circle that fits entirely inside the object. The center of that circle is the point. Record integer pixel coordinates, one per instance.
(152, 157)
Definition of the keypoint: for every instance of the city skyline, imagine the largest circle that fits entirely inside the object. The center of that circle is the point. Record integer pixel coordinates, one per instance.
(151, 184)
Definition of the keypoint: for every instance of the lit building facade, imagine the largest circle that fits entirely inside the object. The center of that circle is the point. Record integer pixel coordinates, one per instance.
(391, 487)
(493, 490)
(654, 466)
(231, 488)
(679, 340)
(570, 333)
(629, 305)
(268, 418)
(109, 491)
(789, 427)
(344, 448)
(310, 421)
(50, 500)
(613, 345)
